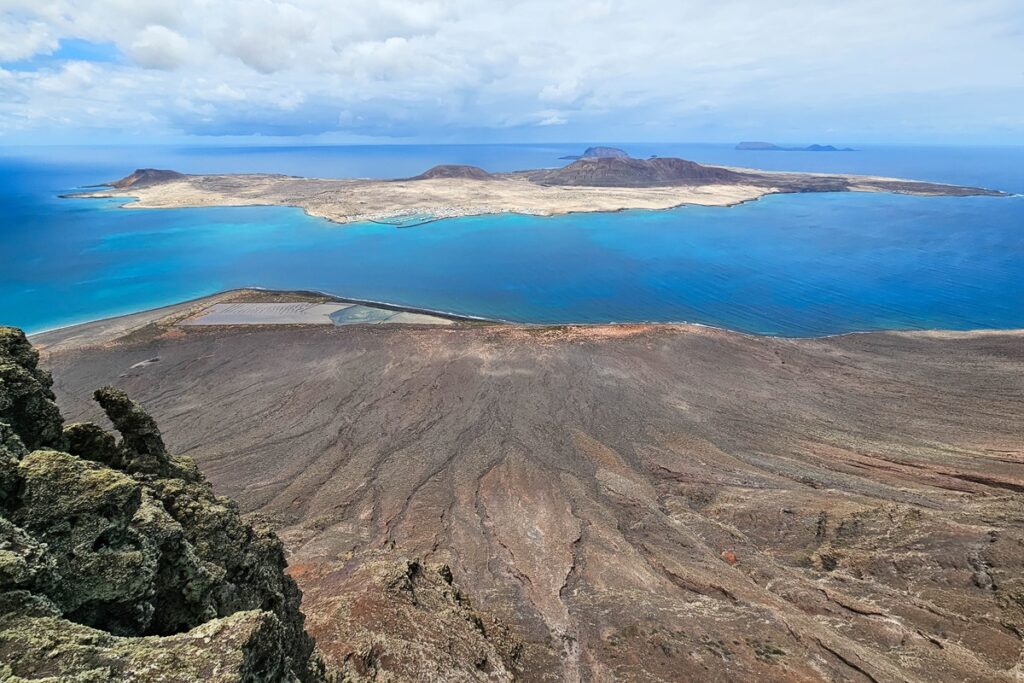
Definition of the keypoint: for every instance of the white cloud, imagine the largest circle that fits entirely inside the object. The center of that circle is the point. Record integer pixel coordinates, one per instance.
(23, 39)
(552, 119)
(565, 92)
(613, 69)
(158, 47)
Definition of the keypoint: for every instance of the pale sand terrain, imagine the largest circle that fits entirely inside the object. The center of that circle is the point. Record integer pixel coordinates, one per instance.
(346, 201)
(452, 190)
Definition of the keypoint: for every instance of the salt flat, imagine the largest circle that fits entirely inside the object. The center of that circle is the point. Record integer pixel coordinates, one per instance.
(291, 313)
(305, 313)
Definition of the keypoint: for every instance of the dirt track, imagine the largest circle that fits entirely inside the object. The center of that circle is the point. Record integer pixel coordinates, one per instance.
(640, 503)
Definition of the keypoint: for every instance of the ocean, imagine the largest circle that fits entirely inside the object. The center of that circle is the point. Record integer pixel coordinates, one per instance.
(794, 265)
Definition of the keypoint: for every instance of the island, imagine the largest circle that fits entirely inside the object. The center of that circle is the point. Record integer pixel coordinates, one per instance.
(604, 183)
(772, 147)
(600, 153)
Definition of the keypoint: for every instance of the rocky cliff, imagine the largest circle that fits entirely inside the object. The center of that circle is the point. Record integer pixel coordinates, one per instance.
(117, 561)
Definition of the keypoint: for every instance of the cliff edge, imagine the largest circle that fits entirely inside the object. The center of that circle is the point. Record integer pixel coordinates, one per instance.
(117, 561)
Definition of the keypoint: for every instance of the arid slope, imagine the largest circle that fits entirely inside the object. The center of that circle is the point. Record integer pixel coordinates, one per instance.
(637, 503)
(586, 185)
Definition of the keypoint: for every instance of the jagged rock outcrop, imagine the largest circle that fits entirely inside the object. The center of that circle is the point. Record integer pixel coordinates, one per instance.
(118, 562)
(384, 617)
(26, 401)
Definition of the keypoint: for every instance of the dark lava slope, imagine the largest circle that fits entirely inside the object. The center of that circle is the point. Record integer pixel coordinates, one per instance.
(669, 171)
(453, 171)
(626, 172)
(634, 503)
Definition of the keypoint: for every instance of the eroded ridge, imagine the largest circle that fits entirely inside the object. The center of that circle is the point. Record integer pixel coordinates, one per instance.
(630, 502)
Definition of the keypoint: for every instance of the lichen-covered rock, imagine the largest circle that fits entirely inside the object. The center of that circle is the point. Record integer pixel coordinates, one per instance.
(24, 561)
(140, 437)
(92, 442)
(83, 512)
(26, 399)
(246, 646)
(117, 561)
(11, 450)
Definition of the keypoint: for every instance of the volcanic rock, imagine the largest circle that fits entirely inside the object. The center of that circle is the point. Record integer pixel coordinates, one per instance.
(143, 177)
(620, 172)
(453, 171)
(118, 562)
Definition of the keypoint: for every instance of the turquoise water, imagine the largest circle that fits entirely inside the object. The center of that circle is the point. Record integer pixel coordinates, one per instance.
(801, 265)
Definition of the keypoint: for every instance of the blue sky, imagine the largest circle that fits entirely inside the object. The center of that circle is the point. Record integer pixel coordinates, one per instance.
(842, 71)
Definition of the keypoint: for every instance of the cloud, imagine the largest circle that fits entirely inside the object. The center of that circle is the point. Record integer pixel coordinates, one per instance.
(24, 39)
(566, 92)
(668, 69)
(158, 47)
(552, 119)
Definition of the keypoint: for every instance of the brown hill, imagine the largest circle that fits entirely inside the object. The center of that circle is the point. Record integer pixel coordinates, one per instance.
(638, 503)
(453, 171)
(625, 172)
(143, 177)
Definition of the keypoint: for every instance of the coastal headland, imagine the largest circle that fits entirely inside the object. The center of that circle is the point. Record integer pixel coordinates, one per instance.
(619, 502)
(600, 183)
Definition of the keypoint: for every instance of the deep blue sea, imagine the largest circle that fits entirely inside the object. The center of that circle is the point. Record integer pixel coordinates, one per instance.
(798, 265)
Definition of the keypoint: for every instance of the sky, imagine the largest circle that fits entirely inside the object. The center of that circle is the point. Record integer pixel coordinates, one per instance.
(467, 71)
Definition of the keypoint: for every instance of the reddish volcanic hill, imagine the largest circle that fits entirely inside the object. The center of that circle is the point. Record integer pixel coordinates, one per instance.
(634, 503)
(142, 177)
(453, 171)
(625, 172)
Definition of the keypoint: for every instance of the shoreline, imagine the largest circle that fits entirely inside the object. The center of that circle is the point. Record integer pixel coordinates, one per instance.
(148, 316)
(458, 317)
(450, 191)
(137, 202)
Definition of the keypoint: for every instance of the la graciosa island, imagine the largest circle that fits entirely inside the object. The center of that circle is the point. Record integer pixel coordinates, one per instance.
(598, 182)
(461, 342)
